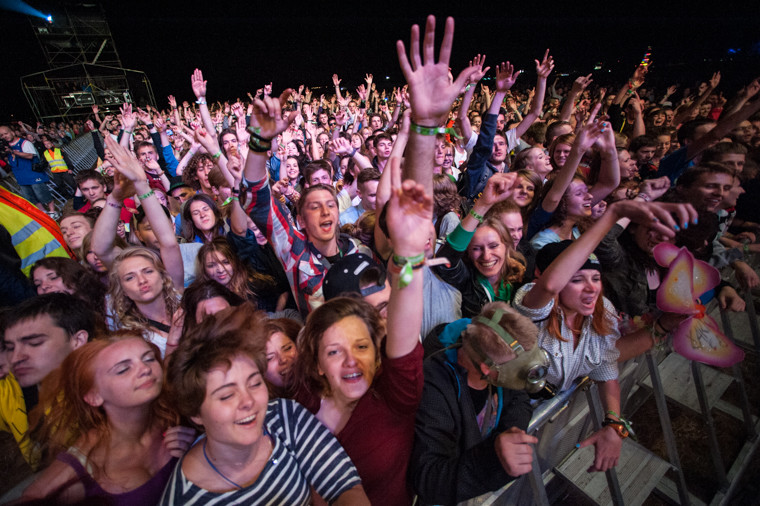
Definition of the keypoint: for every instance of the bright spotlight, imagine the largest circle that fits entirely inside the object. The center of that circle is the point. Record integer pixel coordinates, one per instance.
(49, 18)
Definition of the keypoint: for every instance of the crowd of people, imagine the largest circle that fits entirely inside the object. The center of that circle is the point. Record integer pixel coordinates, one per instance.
(355, 297)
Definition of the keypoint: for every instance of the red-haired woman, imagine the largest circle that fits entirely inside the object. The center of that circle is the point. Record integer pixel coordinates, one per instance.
(117, 439)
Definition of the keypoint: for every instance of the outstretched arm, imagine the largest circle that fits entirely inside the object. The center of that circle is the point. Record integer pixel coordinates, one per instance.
(580, 84)
(654, 214)
(162, 226)
(266, 122)
(543, 69)
(410, 211)
(583, 141)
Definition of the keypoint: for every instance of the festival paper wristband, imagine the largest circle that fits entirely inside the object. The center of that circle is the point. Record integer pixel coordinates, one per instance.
(425, 130)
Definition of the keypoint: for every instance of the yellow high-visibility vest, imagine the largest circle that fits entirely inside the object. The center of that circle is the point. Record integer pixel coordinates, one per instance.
(56, 161)
(34, 234)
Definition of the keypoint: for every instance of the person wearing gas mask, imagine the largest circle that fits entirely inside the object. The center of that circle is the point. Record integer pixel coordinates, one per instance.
(469, 436)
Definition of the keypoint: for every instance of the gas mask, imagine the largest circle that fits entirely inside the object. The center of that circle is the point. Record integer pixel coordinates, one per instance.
(527, 371)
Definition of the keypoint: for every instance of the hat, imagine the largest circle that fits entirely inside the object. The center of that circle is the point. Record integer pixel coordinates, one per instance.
(177, 183)
(551, 251)
(350, 272)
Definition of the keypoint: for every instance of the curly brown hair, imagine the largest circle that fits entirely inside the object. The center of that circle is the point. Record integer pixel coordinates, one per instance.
(190, 174)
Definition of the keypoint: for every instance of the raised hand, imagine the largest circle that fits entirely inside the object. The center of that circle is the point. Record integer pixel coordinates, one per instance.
(715, 80)
(581, 83)
(236, 165)
(341, 146)
(238, 111)
(341, 118)
(362, 92)
(671, 90)
(335, 80)
(751, 89)
(545, 67)
(95, 109)
(640, 74)
(159, 123)
(128, 118)
(268, 89)
(368, 80)
(478, 63)
(144, 116)
(123, 162)
(505, 77)
(198, 84)
(499, 187)
(431, 91)
(172, 101)
(267, 115)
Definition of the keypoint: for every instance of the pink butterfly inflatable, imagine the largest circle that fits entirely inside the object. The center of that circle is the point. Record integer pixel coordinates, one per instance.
(698, 336)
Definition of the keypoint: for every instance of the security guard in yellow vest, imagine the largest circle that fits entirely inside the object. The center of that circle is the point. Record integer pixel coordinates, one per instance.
(59, 169)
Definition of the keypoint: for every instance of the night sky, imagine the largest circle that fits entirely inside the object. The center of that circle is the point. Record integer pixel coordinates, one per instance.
(241, 47)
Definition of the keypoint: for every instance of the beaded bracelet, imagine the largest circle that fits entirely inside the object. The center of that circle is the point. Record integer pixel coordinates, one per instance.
(113, 204)
(147, 194)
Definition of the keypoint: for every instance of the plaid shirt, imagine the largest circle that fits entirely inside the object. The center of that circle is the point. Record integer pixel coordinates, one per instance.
(304, 265)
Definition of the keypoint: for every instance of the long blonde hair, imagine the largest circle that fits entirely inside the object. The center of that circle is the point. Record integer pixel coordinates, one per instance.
(125, 308)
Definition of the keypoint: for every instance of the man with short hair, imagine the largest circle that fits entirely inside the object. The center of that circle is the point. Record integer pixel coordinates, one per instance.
(37, 335)
(366, 188)
(383, 144)
(91, 186)
(21, 156)
(74, 227)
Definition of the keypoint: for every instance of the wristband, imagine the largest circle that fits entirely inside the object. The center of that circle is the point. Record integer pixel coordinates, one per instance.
(150, 126)
(745, 249)
(356, 149)
(477, 216)
(236, 191)
(621, 422)
(255, 132)
(404, 267)
(258, 147)
(229, 199)
(217, 155)
(201, 101)
(425, 130)
(147, 194)
(644, 197)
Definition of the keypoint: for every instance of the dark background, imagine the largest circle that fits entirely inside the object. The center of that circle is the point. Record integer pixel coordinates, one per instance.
(242, 46)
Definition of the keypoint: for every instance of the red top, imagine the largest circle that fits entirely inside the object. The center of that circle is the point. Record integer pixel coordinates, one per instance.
(379, 435)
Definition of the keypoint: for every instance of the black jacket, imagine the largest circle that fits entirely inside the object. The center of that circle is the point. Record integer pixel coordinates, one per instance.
(451, 461)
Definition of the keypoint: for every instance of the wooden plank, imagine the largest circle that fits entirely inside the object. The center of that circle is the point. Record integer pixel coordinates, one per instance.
(678, 382)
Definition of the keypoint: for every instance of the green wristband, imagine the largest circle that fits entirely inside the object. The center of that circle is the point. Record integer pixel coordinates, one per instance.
(425, 130)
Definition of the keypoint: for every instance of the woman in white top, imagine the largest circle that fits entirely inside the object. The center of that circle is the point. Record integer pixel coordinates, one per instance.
(577, 325)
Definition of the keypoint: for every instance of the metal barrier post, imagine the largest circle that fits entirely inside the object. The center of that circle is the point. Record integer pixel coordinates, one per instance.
(597, 413)
(667, 428)
(712, 439)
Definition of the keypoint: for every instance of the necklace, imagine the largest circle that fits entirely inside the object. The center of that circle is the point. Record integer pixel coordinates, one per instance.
(217, 471)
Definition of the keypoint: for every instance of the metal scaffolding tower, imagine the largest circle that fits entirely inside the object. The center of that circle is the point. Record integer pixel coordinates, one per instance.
(79, 34)
(84, 66)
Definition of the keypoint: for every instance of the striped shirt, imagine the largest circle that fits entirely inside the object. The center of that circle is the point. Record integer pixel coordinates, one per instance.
(304, 454)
